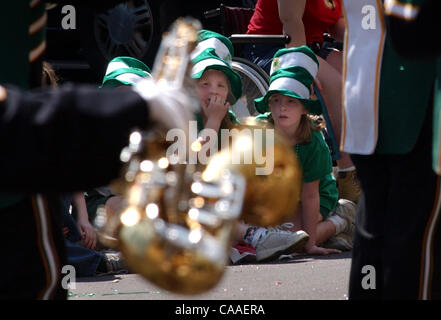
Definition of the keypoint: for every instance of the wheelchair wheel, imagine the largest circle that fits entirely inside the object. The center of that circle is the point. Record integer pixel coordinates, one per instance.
(255, 84)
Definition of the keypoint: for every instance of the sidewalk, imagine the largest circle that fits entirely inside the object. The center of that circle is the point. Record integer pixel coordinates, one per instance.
(301, 278)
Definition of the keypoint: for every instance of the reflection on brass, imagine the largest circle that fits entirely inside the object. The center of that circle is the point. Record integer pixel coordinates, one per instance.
(270, 199)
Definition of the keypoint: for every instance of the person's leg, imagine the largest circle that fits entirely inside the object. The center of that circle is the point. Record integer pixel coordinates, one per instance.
(393, 236)
(330, 82)
(113, 205)
(95, 199)
(369, 228)
(34, 251)
(412, 206)
(329, 225)
(84, 260)
(335, 59)
(325, 230)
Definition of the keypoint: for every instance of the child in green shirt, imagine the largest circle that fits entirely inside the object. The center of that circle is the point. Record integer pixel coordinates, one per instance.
(320, 213)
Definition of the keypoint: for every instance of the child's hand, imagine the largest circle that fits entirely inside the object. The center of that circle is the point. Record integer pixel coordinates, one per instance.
(88, 234)
(216, 108)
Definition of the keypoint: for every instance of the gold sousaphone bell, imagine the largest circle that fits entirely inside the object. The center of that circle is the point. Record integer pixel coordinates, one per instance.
(271, 170)
(177, 222)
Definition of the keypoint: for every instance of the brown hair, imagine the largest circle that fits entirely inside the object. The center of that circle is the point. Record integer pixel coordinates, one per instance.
(307, 124)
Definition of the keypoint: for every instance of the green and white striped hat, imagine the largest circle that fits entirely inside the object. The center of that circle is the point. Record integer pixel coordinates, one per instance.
(214, 51)
(292, 73)
(124, 71)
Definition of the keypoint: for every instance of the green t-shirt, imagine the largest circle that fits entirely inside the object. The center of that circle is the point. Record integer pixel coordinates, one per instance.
(315, 160)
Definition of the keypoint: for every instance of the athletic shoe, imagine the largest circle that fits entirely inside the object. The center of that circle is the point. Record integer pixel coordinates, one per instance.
(273, 242)
(115, 263)
(242, 252)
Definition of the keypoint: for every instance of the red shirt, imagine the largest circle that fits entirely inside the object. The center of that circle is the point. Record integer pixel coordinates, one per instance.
(318, 17)
(265, 19)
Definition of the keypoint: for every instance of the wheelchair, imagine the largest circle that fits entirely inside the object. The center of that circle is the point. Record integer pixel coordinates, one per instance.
(234, 24)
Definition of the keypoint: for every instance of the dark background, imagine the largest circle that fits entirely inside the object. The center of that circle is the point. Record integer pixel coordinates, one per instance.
(131, 28)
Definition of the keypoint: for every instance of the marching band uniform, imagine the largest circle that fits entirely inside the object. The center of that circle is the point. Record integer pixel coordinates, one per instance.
(388, 114)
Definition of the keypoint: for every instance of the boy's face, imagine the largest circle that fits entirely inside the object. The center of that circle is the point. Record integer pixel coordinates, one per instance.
(212, 83)
(286, 111)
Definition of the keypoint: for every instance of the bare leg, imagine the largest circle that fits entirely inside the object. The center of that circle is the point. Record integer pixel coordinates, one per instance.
(325, 229)
(241, 229)
(113, 205)
(331, 83)
(335, 59)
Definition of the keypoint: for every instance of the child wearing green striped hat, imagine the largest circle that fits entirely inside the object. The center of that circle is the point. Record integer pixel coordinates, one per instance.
(124, 71)
(218, 85)
(121, 73)
(288, 105)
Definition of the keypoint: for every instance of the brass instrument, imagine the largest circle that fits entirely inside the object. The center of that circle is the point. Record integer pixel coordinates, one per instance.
(272, 197)
(175, 229)
(178, 218)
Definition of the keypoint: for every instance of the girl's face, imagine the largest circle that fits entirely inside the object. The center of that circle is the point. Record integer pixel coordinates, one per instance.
(286, 111)
(212, 83)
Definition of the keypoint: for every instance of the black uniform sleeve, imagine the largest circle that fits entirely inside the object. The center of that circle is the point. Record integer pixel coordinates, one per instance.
(66, 139)
(420, 37)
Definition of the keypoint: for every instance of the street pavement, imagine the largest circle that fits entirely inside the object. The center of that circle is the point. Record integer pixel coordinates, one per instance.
(299, 278)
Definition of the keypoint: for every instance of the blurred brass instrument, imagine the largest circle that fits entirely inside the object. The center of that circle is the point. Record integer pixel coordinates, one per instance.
(178, 219)
(273, 195)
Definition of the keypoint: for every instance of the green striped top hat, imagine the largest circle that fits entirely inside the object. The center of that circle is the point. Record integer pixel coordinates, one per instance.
(292, 73)
(124, 71)
(214, 51)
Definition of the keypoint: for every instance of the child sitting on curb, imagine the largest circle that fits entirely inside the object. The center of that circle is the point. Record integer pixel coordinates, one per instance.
(289, 103)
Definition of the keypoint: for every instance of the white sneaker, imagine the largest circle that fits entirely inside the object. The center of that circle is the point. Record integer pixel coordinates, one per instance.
(278, 241)
(242, 253)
